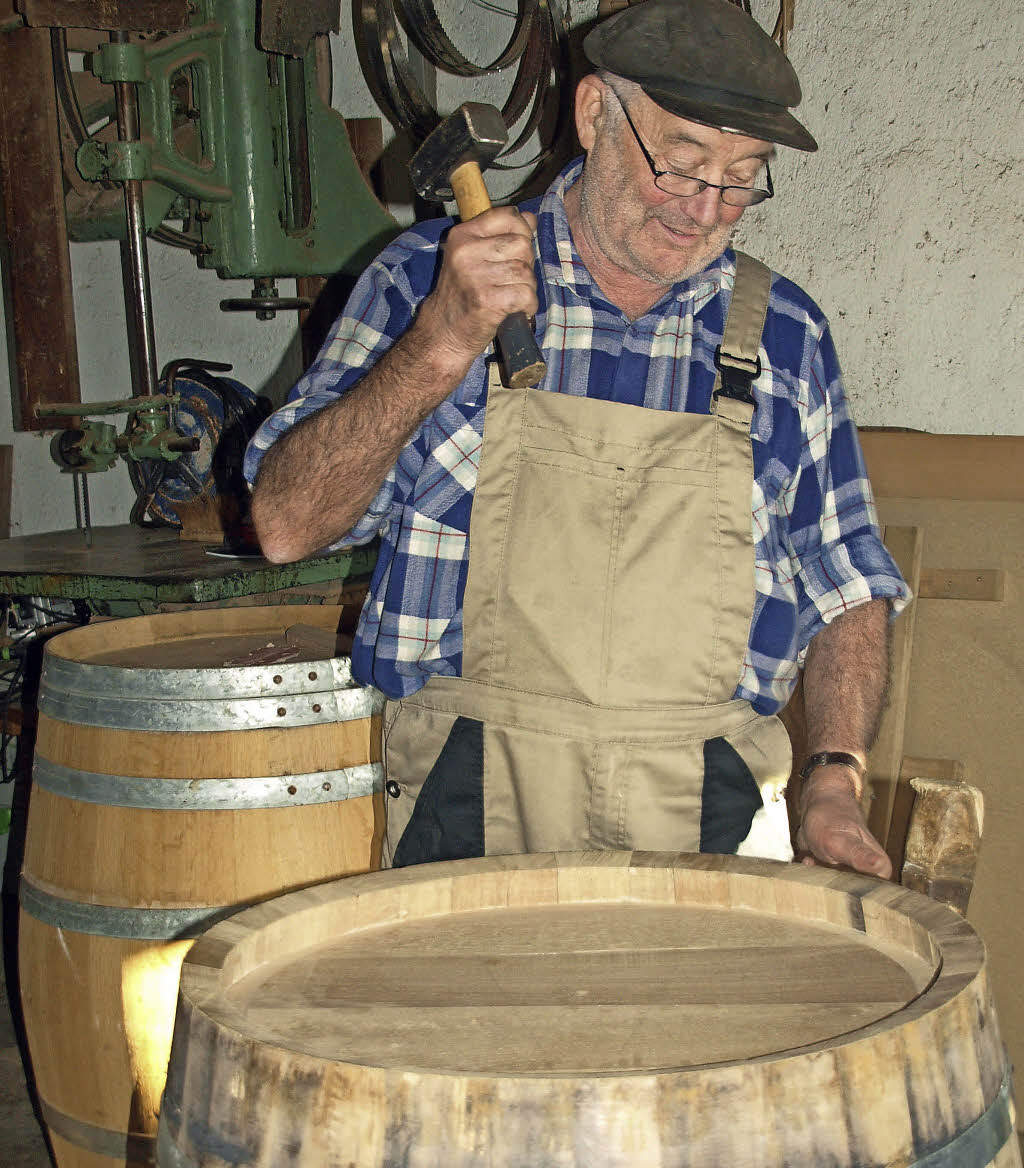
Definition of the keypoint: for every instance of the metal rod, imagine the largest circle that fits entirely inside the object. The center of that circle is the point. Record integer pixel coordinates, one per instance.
(144, 369)
(78, 500)
(85, 511)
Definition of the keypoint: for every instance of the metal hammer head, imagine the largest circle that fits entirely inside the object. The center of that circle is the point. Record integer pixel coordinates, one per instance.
(474, 133)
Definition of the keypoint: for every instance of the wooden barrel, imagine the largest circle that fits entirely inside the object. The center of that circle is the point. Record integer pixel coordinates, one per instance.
(169, 787)
(605, 1010)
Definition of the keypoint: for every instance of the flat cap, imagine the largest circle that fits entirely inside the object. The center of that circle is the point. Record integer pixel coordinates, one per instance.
(707, 61)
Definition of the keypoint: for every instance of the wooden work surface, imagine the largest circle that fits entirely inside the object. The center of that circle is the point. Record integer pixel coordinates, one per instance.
(152, 567)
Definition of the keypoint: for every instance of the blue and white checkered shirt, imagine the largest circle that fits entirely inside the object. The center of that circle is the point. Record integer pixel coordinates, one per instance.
(816, 541)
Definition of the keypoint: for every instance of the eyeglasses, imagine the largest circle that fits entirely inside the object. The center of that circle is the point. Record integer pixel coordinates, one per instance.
(685, 187)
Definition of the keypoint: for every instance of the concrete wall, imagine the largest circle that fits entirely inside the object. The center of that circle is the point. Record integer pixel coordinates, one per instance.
(907, 227)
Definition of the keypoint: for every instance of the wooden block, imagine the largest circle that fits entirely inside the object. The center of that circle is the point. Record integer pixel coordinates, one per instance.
(962, 584)
(944, 840)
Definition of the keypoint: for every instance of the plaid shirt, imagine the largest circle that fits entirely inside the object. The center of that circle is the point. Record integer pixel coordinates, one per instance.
(816, 543)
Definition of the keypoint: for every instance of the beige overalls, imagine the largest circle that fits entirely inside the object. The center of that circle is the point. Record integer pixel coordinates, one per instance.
(607, 613)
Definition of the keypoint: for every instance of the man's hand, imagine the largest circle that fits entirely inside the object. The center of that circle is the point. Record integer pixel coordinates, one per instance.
(320, 476)
(486, 275)
(833, 830)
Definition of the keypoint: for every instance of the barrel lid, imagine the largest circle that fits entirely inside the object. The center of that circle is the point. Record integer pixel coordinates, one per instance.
(622, 964)
(197, 639)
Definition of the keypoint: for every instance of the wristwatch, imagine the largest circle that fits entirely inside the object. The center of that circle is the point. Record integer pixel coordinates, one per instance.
(834, 758)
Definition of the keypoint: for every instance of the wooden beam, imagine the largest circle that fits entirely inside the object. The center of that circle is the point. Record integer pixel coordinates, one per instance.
(962, 584)
(886, 757)
(37, 263)
(911, 465)
(950, 770)
(287, 27)
(131, 15)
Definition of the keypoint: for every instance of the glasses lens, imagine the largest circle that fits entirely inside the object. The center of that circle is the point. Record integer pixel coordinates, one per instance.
(743, 196)
(679, 184)
(685, 188)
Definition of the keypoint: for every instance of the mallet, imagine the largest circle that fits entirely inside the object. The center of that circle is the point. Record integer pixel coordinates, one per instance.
(448, 165)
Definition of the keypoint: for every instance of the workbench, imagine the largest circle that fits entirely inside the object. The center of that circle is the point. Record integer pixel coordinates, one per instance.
(130, 570)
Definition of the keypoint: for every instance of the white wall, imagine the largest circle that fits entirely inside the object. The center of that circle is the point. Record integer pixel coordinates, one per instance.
(907, 227)
(188, 323)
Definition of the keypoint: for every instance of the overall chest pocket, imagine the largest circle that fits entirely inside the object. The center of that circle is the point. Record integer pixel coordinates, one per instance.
(611, 561)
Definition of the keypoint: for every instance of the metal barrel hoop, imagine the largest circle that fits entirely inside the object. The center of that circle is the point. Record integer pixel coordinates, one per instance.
(246, 697)
(538, 43)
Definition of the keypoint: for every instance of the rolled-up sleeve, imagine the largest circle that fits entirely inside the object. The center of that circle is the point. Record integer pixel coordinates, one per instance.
(833, 533)
(378, 311)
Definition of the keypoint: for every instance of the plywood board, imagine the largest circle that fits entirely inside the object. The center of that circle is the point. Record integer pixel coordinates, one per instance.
(915, 465)
(964, 704)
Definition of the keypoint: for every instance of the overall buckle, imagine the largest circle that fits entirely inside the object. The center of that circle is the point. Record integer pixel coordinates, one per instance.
(737, 376)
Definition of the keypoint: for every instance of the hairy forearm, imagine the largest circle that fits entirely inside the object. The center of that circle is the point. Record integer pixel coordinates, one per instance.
(317, 480)
(846, 678)
(845, 682)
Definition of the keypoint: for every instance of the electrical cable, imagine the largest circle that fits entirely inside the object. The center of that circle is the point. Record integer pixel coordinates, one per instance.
(159, 484)
(174, 238)
(65, 87)
(11, 691)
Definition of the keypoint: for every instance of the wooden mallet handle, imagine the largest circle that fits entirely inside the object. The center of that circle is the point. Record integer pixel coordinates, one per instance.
(518, 353)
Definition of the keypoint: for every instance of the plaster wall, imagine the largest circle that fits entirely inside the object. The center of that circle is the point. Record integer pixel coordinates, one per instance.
(907, 226)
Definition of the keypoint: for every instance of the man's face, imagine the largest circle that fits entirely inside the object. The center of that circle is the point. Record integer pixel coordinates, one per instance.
(636, 227)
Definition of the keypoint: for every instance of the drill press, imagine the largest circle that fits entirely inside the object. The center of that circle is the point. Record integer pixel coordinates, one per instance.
(239, 143)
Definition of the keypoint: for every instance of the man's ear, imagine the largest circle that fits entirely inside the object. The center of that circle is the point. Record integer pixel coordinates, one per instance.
(591, 97)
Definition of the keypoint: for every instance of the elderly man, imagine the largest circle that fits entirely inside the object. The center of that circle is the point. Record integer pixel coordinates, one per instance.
(593, 597)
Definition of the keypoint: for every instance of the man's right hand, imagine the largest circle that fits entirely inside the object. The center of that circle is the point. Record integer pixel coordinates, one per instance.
(486, 275)
(318, 479)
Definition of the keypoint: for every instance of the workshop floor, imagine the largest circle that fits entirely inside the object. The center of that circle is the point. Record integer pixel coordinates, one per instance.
(21, 1138)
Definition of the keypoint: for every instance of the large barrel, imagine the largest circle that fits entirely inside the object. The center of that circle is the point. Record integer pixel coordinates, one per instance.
(169, 787)
(600, 1010)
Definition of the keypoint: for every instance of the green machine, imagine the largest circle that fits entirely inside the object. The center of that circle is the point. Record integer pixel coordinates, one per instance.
(239, 144)
(202, 125)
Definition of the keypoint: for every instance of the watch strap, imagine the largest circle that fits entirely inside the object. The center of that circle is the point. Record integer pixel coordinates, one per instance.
(832, 758)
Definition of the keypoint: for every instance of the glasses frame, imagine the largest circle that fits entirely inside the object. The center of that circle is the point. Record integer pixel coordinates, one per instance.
(702, 184)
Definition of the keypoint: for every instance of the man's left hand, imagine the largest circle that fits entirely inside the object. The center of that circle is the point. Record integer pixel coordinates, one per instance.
(833, 830)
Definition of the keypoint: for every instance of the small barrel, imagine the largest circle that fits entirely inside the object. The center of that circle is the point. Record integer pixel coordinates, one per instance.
(169, 787)
(599, 1010)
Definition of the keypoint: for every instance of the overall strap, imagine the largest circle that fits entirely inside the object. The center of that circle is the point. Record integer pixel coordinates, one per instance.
(736, 358)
